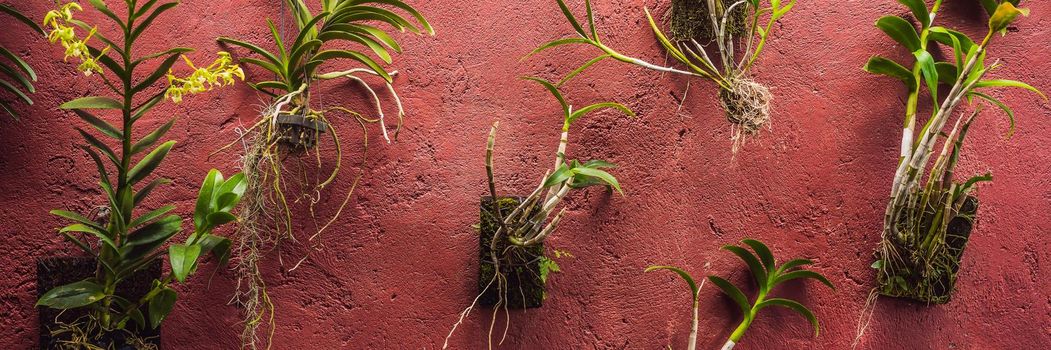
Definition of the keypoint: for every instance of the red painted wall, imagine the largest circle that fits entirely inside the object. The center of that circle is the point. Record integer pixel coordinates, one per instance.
(401, 263)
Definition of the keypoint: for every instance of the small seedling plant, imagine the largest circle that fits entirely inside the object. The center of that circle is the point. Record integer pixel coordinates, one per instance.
(767, 275)
(930, 215)
(123, 236)
(294, 121)
(18, 77)
(528, 224)
(745, 101)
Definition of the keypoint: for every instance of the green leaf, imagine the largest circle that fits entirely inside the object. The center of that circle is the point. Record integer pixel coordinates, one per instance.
(802, 310)
(101, 146)
(218, 246)
(1004, 15)
(156, 232)
(80, 244)
(572, 20)
(366, 60)
(100, 234)
(1003, 106)
(947, 72)
(93, 102)
(145, 24)
(152, 137)
(694, 290)
(149, 217)
(557, 43)
(883, 66)
(308, 35)
(763, 252)
(581, 69)
(161, 305)
(266, 65)
(219, 218)
(172, 51)
(8, 87)
(78, 218)
(229, 195)
(251, 47)
(591, 20)
(101, 7)
(919, 10)
(183, 259)
(1008, 83)
(103, 176)
(878, 264)
(960, 43)
(901, 31)
(147, 106)
(161, 71)
(145, 191)
(283, 53)
(21, 17)
(150, 162)
(929, 70)
(605, 177)
(18, 61)
(803, 274)
(554, 92)
(364, 30)
(560, 175)
(793, 264)
(599, 164)
(101, 125)
(73, 295)
(990, 5)
(754, 265)
(412, 11)
(206, 197)
(577, 114)
(136, 315)
(987, 177)
(16, 75)
(733, 292)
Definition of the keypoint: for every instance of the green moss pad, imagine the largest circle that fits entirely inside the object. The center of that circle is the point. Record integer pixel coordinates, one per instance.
(525, 289)
(57, 271)
(690, 20)
(935, 284)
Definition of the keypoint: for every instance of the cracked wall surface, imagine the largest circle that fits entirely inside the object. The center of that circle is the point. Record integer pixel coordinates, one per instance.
(401, 262)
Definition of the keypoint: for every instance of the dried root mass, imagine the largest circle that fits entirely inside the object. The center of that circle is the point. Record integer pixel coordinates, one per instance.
(747, 107)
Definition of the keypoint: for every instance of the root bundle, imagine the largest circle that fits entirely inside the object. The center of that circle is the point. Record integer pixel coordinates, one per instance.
(747, 106)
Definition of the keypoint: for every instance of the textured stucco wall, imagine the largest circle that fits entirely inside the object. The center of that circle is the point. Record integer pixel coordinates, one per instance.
(402, 262)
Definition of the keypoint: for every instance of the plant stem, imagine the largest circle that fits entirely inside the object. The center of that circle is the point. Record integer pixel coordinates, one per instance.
(735, 337)
(693, 332)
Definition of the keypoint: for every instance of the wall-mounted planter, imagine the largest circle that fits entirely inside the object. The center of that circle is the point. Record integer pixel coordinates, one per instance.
(56, 271)
(937, 287)
(299, 131)
(524, 289)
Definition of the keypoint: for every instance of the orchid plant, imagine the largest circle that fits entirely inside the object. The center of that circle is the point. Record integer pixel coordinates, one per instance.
(294, 120)
(767, 275)
(929, 216)
(123, 238)
(746, 102)
(520, 229)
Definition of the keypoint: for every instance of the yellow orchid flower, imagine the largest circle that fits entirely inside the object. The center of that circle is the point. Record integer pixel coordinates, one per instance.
(220, 73)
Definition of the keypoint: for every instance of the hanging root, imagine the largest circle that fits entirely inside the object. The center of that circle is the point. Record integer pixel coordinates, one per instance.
(254, 234)
(866, 317)
(747, 107)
